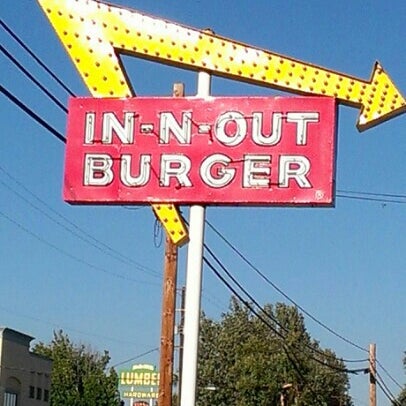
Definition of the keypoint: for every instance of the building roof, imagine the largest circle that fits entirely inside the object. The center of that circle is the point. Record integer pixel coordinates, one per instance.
(15, 336)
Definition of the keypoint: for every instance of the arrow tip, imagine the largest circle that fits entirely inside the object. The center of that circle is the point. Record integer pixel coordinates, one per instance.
(381, 101)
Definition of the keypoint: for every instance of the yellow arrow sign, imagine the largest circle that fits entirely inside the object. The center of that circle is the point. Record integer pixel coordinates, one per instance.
(93, 31)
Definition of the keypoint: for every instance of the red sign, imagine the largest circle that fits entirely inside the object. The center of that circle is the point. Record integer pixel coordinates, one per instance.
(227, 150)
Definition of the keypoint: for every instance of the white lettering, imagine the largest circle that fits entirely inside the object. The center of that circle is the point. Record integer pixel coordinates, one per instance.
(125, 133)
(89, 127)
(241, 128)
(274, 137)
(168, 124)
(294, 167)
(144, 171)
(257, 171)
(176, 166)
(223, 174)
(98, 170)
(302, 119)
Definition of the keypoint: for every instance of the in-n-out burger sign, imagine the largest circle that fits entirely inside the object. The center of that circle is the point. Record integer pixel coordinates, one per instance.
(255, 150)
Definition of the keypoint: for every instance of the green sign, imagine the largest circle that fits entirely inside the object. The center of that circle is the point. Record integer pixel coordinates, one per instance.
(140, 382)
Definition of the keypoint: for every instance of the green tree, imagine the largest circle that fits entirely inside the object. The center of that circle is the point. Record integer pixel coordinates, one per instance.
(402, 396)
(79, 375)
(245, 362)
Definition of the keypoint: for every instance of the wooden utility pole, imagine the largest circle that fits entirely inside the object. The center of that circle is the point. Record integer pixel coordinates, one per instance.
(372, 374)
(168, 309)
(181, 340)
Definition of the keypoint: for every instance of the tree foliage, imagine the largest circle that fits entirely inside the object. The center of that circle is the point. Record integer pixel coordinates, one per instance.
(79, 375)
(244, 361)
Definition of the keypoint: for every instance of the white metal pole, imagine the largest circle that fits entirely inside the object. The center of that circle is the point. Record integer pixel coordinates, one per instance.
(194, 268)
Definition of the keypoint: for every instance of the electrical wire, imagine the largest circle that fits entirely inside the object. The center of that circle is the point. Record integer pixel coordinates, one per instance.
(32, 114)
(35, 57)
(298, 306)
(268, 281)
(391, 195)
(371, 199)
(382, 384)
(323, 354)
(75, 230)
(71, 256)
(214, 300)
(57, 326)
(378, 377)
(135, 357)
(389, 375)
(289, 355)
(32, 78)
(126, 260)
(42, 122)
(390, 397)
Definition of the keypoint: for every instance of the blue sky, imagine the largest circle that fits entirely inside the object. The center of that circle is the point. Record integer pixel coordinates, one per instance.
(344, 265)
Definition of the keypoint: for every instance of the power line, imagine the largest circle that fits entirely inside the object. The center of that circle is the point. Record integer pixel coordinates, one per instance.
(32, 78)
(385, 386)
(37, 118)
(57, 326)
(32, 114)
(71, 256)
(323, 354)
(214, 300)
(32, 54)
(267, 280)
(290, 356)
(86, 237)
(382, 384)
(135, 357)
(371, 199)
(389, 375)
(59, 136)
(387, 393)
(399, 196)
(272, 328)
